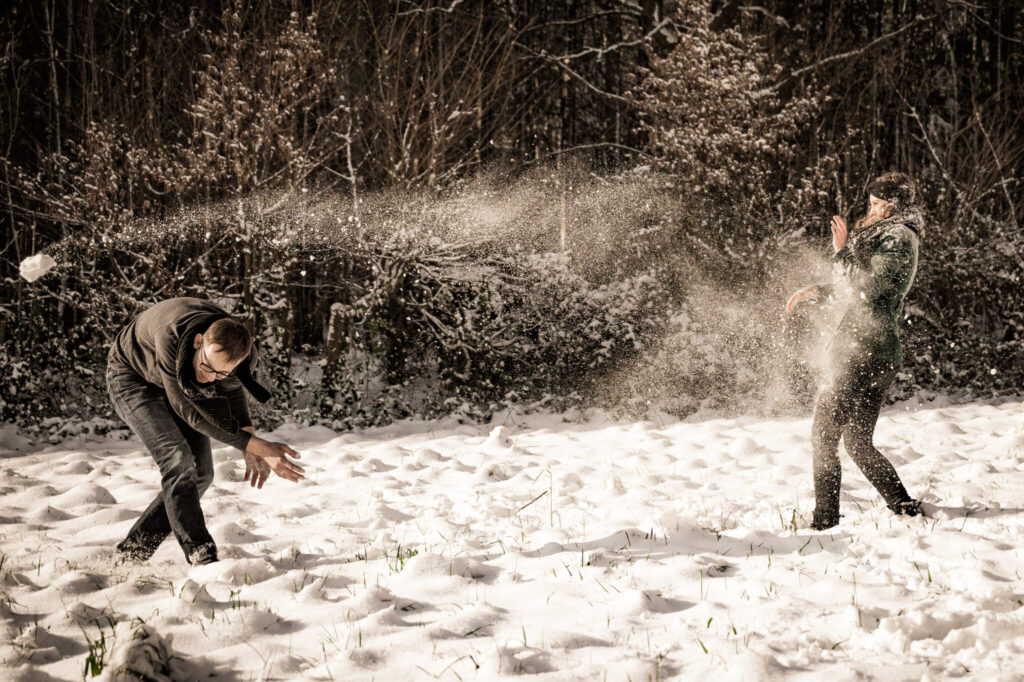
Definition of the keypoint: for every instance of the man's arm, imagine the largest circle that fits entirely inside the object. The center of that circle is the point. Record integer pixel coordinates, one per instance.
(232, 389)
(183, 406)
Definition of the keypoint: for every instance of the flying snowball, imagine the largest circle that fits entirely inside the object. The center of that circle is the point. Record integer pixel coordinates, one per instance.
(34, 267)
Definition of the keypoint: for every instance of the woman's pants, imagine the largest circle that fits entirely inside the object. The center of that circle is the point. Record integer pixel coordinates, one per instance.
(849, 408)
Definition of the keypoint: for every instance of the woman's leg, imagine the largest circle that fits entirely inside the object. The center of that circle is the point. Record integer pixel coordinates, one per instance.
(825, 432)
(859, 436)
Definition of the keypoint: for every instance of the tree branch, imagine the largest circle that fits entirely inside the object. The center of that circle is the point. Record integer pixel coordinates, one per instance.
(428, 10)
(596, 145)
(581, 20)
(573, 73)
(602, 51)
(853, 53)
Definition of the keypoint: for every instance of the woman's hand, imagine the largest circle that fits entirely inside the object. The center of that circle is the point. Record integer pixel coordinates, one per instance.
(808, 293)
(838, 233)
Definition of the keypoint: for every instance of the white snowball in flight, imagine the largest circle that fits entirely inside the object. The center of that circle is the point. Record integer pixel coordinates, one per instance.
(34, 267)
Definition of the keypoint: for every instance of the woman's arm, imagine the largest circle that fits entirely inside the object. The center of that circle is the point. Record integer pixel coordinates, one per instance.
(892, 266)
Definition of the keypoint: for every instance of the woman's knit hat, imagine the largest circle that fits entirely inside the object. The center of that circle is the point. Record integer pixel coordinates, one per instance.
(896, 188)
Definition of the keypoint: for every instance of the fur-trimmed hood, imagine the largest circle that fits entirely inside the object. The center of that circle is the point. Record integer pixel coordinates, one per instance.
(864, 242)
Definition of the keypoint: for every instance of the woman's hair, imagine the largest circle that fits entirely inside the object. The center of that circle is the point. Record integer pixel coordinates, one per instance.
(870, 218)
(895, 188)
(232, 336)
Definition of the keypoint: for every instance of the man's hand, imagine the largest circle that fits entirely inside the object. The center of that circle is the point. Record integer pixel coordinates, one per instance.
(256, 470)
(838, 233)
(808, 293)
(263, 456)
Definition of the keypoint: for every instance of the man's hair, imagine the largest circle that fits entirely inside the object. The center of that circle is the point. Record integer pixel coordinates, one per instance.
(232, 336)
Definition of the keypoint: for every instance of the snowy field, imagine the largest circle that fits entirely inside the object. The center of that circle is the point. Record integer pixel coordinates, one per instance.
(543, 547)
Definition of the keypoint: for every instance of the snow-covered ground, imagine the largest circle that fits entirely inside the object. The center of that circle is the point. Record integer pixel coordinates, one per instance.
(562, 550)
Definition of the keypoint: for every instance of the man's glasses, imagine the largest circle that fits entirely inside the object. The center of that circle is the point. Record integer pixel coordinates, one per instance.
(205, 366)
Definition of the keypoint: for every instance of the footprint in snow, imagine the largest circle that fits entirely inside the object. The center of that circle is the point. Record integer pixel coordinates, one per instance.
(489, 472)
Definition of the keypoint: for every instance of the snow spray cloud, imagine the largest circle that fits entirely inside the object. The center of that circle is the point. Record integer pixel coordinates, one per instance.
(715, 335)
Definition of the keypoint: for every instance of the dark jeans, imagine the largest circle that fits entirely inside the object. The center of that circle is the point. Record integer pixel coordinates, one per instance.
(849, 408)
(181, 453)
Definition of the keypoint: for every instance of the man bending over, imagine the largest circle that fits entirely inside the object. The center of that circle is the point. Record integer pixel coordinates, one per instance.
(176, 375)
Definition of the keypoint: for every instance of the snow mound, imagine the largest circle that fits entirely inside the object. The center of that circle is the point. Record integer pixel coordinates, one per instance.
(86, 493)
(245, 571)
(499, 438)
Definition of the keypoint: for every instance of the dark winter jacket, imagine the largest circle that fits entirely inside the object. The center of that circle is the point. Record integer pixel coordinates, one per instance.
(881, 263)
(158, 346)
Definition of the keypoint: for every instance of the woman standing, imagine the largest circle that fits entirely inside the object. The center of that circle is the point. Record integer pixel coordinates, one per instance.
(880, 258)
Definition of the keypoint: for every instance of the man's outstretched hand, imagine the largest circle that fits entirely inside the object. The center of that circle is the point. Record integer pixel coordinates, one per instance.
(264, 456)
(256, 470)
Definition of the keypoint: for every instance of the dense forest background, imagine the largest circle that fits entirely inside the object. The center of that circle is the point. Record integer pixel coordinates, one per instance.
(456, 205)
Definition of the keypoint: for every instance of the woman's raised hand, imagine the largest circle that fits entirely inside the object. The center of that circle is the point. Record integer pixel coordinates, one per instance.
(838, 233)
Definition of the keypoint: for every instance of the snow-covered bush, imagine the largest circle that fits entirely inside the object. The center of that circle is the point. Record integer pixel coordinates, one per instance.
(253, 173)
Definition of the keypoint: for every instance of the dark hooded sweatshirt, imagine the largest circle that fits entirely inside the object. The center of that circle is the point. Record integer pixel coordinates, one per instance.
(158, 346)
(881, 263)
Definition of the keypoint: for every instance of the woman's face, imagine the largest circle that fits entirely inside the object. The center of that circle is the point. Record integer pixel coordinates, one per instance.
(878, 209)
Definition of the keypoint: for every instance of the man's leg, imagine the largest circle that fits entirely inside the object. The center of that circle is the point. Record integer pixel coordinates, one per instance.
(859, 435)
(154, 526)
(183, 457)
